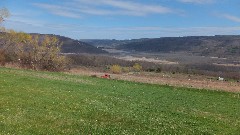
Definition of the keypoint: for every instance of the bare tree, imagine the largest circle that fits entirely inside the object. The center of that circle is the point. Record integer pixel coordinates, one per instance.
(4, 13)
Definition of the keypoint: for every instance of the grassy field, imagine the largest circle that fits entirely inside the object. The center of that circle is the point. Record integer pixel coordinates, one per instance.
(57, 103)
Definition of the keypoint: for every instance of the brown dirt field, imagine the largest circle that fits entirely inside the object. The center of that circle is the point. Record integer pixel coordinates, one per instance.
(179, 80)
(131, 58)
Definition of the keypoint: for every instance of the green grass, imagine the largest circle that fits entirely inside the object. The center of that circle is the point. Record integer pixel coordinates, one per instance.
(56, 103)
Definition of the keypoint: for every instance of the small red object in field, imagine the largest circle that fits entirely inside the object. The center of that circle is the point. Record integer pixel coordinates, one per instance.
(107, 76)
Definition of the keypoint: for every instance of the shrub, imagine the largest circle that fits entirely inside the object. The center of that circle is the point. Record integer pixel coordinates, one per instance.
(137, 67)
(34, 52)
(159, 70)
(116, 69)
(150, 70)
(126, 69)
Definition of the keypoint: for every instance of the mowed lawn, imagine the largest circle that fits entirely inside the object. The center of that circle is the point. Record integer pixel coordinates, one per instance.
(57, 103)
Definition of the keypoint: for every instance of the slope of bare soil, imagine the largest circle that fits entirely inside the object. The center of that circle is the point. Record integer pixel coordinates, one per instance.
(179, 80)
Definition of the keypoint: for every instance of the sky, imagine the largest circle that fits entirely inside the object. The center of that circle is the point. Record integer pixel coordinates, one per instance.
(124, 19)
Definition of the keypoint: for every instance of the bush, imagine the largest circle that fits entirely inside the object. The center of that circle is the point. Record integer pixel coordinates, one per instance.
(137, 67)
(159, 70)
(34, 52)
(150, 70)
(116, 69)
(126, 69)
(44, 54)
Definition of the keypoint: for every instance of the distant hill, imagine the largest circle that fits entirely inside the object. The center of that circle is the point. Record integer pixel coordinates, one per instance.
(76, 46)
(73, 46)
(110, 43)
(219, 46)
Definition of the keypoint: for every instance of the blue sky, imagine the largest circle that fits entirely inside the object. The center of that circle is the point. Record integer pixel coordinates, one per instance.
(124, 19)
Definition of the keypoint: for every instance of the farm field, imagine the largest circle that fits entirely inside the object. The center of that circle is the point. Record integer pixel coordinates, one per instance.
(165, 78)
(33, 102)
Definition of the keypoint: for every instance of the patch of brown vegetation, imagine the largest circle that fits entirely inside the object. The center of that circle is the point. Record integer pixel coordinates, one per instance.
(227, 65)
(158, 61)
(179, 80)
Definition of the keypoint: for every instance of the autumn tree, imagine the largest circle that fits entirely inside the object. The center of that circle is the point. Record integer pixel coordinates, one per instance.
(30, 51)
(40, 52)
(46, 53)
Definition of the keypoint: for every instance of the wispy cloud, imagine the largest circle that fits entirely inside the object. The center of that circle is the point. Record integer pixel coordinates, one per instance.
(197, 1)
(58, 10)
(77, 8)
(79, 31)
(131, 6)
(231, 17)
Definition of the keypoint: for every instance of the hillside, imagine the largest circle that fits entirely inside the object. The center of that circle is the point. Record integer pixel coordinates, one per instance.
(73, 46)
(219, 46)
(110, 43)
(58, 103)
(76, 46)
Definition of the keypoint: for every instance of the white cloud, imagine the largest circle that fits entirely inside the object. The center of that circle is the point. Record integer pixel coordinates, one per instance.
(197, 1)
(58, 10)
(231, 17)
(77, 8)
(78, 31)
(136, 7)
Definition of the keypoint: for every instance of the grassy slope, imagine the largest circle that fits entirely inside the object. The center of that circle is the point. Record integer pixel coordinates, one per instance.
(56, 103)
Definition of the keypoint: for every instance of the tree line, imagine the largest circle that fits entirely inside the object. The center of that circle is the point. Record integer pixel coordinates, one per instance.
(29, 51)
